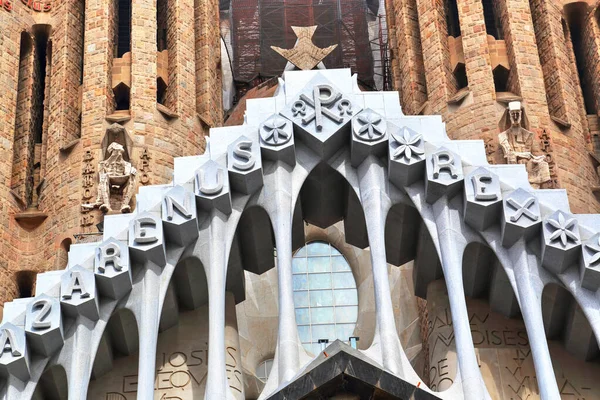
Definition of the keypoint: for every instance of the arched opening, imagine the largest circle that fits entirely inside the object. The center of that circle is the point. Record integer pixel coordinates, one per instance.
(497, 329)
(25, 283)
(325, 296)
(572, 342)
(166, 38)
(62, 258)
(252, 303)
(415, 270)
(161, 91)
(123, 27)
(460, 74)
(501, 78)
(22, 167)
(575, 25)
(116, 353)
(52, 385)
(122, 96)
(452, 20)
(34, 70)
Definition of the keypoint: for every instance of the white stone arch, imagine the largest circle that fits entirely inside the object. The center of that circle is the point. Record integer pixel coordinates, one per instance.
(370, 159)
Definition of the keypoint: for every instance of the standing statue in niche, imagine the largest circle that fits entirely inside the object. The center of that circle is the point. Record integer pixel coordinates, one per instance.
(116, 178)
(518, 145)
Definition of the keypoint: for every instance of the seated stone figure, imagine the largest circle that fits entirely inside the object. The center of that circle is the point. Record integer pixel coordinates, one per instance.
(519, 146)
(117, 174)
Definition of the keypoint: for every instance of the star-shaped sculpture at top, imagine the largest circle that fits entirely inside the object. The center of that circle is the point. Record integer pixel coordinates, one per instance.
(305, 55)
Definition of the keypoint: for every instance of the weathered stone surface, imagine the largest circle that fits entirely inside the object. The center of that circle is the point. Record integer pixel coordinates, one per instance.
(44, 325)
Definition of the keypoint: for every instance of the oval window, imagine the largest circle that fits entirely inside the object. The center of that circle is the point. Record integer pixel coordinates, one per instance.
(325, 295)
(264, 369)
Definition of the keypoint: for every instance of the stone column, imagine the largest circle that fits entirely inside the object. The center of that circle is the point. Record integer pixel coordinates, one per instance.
(405, 40)
(436, 57)
(143, 62)
(475, 47)
(233, 353)
(208, 58)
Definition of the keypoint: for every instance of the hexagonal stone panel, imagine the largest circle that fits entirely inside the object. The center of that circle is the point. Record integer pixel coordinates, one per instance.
(43, 325)
(369, 136)
(179, 216)
(244, 165)
(482, 199)
(277, 139)
(521, 217)
(444, 174)
(561, 242)
(406, 161)
(321, 115)
(211, 185)
(14, 359)
(146, 239)
(590, 263)
(78, 294)
(112, 269)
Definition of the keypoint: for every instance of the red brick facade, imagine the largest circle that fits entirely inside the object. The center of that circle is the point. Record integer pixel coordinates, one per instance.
(542, 72)
(45, 182)
(79, 106)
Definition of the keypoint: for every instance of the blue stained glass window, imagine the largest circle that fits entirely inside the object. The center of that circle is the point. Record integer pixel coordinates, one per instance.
(325, 295)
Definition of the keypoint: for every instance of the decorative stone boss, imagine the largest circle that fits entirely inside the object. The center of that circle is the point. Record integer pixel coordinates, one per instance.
(519, 147)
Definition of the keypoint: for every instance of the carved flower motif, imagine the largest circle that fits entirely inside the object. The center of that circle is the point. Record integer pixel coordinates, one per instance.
(596, 250)
(562, 228)
(408, 145)
(369, 129)
(274, 132)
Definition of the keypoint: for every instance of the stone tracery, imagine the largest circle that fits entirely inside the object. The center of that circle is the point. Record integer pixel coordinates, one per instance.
(448, 168)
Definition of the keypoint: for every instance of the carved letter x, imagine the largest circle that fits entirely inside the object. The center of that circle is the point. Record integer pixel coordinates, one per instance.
(522, 209)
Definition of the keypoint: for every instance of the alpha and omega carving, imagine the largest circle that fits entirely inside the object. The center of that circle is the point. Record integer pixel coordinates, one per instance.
(518, 145)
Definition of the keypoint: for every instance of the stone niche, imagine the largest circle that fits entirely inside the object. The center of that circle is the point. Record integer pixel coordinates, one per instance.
(120, 188)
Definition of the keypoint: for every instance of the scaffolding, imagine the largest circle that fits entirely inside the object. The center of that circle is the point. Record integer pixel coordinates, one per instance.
(251, 27)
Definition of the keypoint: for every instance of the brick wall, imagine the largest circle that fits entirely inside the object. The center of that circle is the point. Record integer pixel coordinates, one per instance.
(542, 72)
(161, 138)
(407, 54)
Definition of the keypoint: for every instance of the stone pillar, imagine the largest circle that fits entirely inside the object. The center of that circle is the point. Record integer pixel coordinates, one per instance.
(436, 56)
(475, 47)
(233, 353)
(143, 62)
(503, 352)
(526, 70)
(208, 59)
(407, 54)
(182, 78)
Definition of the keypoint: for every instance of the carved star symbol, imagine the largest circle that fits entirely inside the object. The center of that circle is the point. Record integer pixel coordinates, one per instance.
(274, 132)
(562, 228)
(305, 55)
(595, 248)
(369, 130)
(408, 145)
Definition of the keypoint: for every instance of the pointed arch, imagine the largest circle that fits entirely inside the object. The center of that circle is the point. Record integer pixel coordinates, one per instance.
(52, 385)
(119, 339)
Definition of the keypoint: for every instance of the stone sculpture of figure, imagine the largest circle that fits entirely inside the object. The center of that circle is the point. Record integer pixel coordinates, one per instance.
(117, 174)
(518, 145)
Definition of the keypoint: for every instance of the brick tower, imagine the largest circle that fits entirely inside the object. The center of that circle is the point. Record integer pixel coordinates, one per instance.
(70, 70)
(467, 59)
